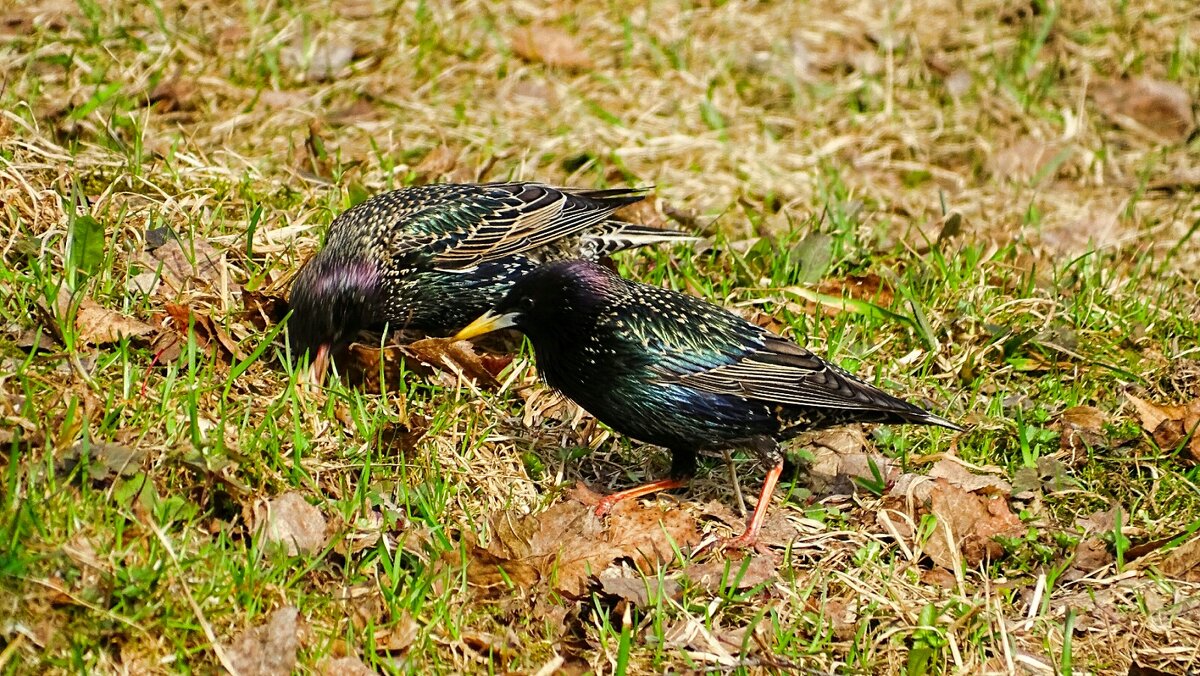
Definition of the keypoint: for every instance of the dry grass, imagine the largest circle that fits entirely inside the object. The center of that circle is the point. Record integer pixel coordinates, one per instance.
(250, 127)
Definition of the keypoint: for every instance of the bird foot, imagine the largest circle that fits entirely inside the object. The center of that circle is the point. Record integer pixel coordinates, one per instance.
(605, 506)
(744, 542)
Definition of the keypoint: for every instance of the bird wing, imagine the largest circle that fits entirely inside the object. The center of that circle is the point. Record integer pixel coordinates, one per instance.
(512, 218)
(724, 354)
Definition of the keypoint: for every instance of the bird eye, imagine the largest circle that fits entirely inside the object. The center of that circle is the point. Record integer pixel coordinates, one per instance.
(525, 304)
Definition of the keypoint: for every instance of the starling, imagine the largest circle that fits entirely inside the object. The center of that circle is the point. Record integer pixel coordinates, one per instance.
(675, 371)
(431, 258)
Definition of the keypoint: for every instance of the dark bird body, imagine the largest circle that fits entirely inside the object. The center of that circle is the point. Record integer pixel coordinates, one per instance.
(673, 370)
(433, 257)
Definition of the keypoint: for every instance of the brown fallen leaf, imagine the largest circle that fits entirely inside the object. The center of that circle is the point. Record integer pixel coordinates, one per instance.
(960, 477)
(207, 332)
(1082, 428)
(324, 60)
(174, 94)
(1024, 159)
(1170, 425)
(442, 358)
(1091, 554)
(103, 460)
(263, 309)
(566, 545)
(550, 45)
(398, 636)
(1160, 109)
(268, 649)
(870, 287)
(721, 575)
(290, 520)
(345, 666)
(644, 212)
(640, 591)
(967, 526)
(97, 325)
(195, 263)
(1183, 562)
(437, 163)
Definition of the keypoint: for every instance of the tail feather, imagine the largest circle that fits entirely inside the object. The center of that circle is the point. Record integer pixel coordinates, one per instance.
(619, 236)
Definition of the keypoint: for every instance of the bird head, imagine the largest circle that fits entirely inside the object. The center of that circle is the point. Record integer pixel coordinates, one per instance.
(549, 301)
(331, 300)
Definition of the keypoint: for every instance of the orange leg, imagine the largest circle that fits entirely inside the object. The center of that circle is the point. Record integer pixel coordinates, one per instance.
(609, 501)
(747, 539)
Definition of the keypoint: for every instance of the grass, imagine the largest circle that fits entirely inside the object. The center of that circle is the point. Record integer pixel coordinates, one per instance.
(815, 144)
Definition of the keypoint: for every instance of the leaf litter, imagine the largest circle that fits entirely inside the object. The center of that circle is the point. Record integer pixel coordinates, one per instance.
(1171, 425)
(291, 521)
(268, 649)
(565, 547)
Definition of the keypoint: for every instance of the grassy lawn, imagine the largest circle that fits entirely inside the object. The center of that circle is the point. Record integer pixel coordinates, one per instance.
(988, 206)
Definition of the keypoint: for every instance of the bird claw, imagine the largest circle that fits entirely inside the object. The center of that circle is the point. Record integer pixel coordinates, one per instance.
(744, 542)
(604, 507)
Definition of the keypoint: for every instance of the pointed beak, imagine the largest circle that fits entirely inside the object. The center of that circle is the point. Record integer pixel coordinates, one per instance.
(316, 372)
(486, 324)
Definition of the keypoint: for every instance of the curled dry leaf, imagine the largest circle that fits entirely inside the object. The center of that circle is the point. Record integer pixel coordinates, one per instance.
(721, 575)
(290, 520)
(1164, 109)
(959, 476)
(429, 357)
(1082, 428)
(1183, 562)
(268, 649)
(345, 666)
(97, 325)
(195, 263)
(175, 94)
(263, 309)
(550, 45)
(209, 335)
(640, 591)
(437, 163)
(566, 545)
(967, 526)
(1170, 425)
(103, 460)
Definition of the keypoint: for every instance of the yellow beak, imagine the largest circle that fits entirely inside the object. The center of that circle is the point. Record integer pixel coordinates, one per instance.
(486, 324)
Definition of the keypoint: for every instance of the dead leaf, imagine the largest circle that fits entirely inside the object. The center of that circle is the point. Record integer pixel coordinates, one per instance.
(195, 263)
(97, 325)
(720, 575)
(174, 94)
(263, 309)
(1098, 227)
(1082, 428)
(208, 333)
(345, 666)
(323, 60)
(399, 636)
(1091, 554)
(104, 460)
(643, 213)
(960, 477)
(1183, 562)
(1170, 425)
(870, 287)
(1099, 522)
(550, 45)
(290, 520)
(640, 591)
(1154, 107)
(967, 526)
(437, 163)
(1024, 159)
(839, 461)
(566, 545)
(268, 649)
(430, 357)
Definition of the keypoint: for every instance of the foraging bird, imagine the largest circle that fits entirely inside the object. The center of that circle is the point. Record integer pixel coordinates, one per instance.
(673, 370)
(434, 257)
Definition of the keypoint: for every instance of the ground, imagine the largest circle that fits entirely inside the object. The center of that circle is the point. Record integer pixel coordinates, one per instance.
(987, 206)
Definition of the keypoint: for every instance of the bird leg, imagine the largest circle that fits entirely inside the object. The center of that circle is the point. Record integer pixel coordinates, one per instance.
(733, 478)
(609, 501)
(750, 535)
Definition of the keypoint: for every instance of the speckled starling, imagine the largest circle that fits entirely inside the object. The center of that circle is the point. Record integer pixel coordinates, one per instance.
(431, 258)
(673, 370)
